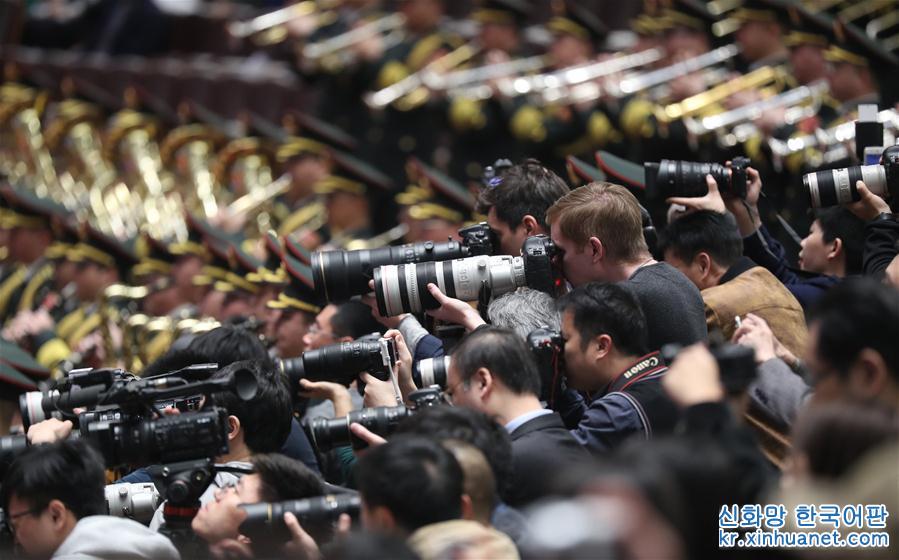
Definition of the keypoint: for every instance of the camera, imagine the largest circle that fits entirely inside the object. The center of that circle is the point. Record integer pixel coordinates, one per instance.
(340, 275)
(328, 433)
(269, 517)
(342, 362)
(837, 186)
(687, 178)
(431, 371)
(403, 288)
(548, 350)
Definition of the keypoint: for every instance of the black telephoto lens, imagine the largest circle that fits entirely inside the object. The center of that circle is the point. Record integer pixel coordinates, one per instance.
(340, 275)
(318, 510)
(328, 433)
(431, 371)
(683, 178)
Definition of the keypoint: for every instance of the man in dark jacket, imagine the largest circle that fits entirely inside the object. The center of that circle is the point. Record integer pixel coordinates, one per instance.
(608, 358)
(493, 371)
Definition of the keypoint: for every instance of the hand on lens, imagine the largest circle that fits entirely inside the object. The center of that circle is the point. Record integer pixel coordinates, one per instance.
(301, 544)
(711, 202)
(869, 205)
(49, 431)
(454, 311)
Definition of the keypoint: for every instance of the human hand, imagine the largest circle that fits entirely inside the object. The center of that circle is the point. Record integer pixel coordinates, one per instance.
(366, 435)
(711, 202)
(372, 302)
(755, 333)
(322, 389)
(693, 377)
(230, 549)
(869, 205)
(49, 431)
(404, 362)
(377, 392)
(454, 311)
(301, 544)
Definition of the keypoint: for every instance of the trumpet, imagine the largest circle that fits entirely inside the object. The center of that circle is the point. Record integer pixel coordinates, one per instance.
(555, 86)
(339, 43)
(764, 76)
(648, 80)
(736, 125)
(271, 24)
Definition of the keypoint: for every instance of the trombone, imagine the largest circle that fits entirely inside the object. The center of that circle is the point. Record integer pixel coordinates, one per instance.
(830, 137)
(268, 29)
(460, 82)
(766, 75)
(648, 80)
(737, 126)
(389, 24)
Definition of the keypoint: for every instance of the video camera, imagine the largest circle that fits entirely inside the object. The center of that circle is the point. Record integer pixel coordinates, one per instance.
(687, 179)
(403, 288)
(339, 275)
(328, 433)
(837, 186)
(342, 362)
(125, 421)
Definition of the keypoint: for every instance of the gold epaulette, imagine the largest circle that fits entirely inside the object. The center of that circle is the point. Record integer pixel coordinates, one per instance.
(301, 218)
(527, 124)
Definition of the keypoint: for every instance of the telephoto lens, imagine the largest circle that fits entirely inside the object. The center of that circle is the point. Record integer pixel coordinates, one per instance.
(340, 275)
(838, 186)
(269, 517)
(431, 371)
(403, 288)
(686, 178)
(328, 433)
(339, 363)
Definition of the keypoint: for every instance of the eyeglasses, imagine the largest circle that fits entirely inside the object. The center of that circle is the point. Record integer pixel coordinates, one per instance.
(449, 391)
(13, 516)
(316, 330)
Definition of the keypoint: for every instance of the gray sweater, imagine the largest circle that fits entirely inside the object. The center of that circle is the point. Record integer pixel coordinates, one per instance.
(103, 537)
(671, 303)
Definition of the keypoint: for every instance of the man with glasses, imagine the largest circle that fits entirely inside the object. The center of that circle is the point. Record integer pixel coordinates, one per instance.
(54, 500)
(341, 322)
(493, 371)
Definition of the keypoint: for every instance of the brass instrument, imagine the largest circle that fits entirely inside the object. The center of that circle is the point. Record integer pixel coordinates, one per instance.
(381, 240)
(876, 26)
(255, 204)
(45, 182)
(577, 84)
(269, 29)
(737, 126)
(648, 80)
(410, 91)
(765, 76)
(468, 82)
(390, 26)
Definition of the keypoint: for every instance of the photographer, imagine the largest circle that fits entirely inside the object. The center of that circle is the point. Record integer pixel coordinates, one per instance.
(606, 355)
(341, 322)
(881, 254)
(492, 371)
(55, 504)
(414, 488)
(275, 478)
(707, 248)
(831, 250)
(260, 425)
(599, 230)
(516, 202)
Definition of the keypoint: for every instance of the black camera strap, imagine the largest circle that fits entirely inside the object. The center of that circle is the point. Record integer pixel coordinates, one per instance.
(646, 366)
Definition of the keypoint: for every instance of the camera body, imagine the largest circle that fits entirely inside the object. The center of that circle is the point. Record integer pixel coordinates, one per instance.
(340, 275)
(686, 178)
(837, 186)
(342, 362)
(548, 349)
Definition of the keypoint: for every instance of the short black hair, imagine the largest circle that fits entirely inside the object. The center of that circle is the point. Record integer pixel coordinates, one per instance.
(366, 545)
(354, 319)
(416, 479)
(441, 423)
(612, 309)
(839, 223)
(265, 419)
(857, 313)
(705, 231)
(69, 471)
(504, 353)
(222, 345)
(525, 188)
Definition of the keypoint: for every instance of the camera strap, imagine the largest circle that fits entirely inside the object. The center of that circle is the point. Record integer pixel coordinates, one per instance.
(647, 366)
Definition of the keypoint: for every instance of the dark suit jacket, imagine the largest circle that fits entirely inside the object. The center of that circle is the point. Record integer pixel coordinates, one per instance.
(541, 448)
